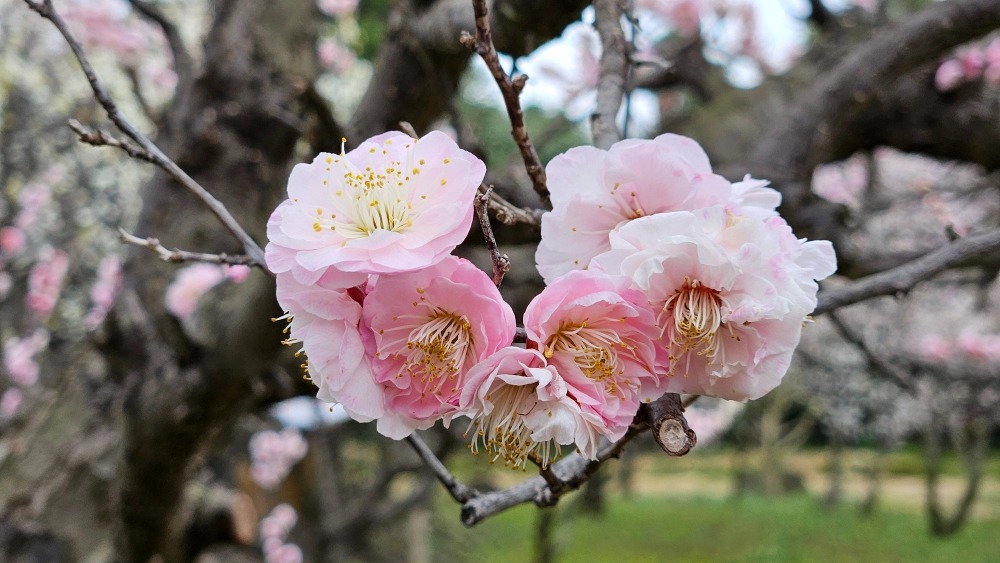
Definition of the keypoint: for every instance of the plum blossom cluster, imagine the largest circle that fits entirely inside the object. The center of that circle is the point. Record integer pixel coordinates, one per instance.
(661, 277)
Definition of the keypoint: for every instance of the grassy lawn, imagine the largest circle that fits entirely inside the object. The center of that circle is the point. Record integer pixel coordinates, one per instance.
(753, 528)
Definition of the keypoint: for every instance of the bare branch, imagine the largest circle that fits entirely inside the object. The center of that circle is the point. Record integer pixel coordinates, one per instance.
(252, 249)
(566, 475)
(99, 138)
(882, 367)
(501, 264)
(903, 278)
(613, 71)
(459, 491)
(671, 431)
(178, 256)
(482, 44)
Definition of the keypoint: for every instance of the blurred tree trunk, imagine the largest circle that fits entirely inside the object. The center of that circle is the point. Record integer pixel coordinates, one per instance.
(835, 491)
(545, 525)
(970, 438)
(875, 473)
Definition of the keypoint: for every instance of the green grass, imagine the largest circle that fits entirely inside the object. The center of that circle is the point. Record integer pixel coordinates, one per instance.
(753, 528)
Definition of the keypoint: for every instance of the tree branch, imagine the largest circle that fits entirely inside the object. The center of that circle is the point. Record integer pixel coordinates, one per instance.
(903, 278)
(614, 67)
(252, 249)
(482, 44)
(178, 256)
(671, 431)
(458, 490)
(501, 264)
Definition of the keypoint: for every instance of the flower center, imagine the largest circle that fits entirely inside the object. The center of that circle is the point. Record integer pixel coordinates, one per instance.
(593, 349)
(693, 316)
(376, 200)
(437, 349)
(503, 431)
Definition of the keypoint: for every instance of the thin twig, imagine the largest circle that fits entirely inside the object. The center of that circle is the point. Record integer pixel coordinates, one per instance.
(613, 71)
(253, 250)
(881, 366)
(99, 138)
(459, 491)
(569, 474)
(178, 256)
(501, 264)
(482, 44)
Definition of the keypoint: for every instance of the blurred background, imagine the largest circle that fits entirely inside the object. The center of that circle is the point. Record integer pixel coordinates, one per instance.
(149, 412)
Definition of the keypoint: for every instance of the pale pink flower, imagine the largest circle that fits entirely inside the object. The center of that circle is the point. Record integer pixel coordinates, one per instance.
(599, 335)
(274, 530)
(337, 7)
(190, 283)
(45, 281)
(683, 15)
(237, 273)
(393, 204)
(935, 348)
(35, 196)
(11, 402)
(983, 348)
(427, 329)
(19, 357)
(273, 454)
(710, 422)
(11, 240)
(730, 292)
(520, 409)
(842, 182)
(949, 75)
(325, 320)
(972, 62)
(595, 192)
(105, 290)
(335, 56)
(992, 56)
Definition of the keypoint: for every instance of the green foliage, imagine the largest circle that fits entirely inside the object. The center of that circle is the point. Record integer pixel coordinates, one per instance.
(753, 528)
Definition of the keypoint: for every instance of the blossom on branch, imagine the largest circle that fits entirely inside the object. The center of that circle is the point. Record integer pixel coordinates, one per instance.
(394, 204)
(424, 331)
(730, 294)
(595, 192)
(599, 334)
(520, 409)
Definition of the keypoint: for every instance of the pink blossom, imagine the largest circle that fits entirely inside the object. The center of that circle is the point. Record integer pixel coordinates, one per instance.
(45, 281)
(105, 290)
(274, 530)
(683, 15)
(730, 292)
(337, 8)
(35, 196)
(599, 335)
(19, 357)
(520, 409)
(711, 422)
(972, 62)
(992, 56)
(393, 204)
(949, 75)
(979, 347)
(935, 348)
(273, 454)
(190, 283)
(595, 192)
(426, 330)
(11, 240)
(11, 402)
(325, 320)
(335, 56)
(236, 273)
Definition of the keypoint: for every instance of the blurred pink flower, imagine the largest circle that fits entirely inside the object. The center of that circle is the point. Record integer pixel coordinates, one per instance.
(426, 330)
(595, 192)
(935, 348)
(683, 15)
(45, 281)
(326, 321)
(520, 409)
(984, 348)
(274, 530)
(335, 56)
(599, 335)
(11, 240)
(190, 283)
(730, 292)
(11, 402)
(992, 56)
(273, 454)
(841, 182)
(237, 273)
(949, 75)
(105, 290)
(393, 204)
(972, 62)
(337, 8)
(19, 357)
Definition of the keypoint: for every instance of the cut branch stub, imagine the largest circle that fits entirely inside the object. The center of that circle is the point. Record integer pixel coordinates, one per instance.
(671, 431)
